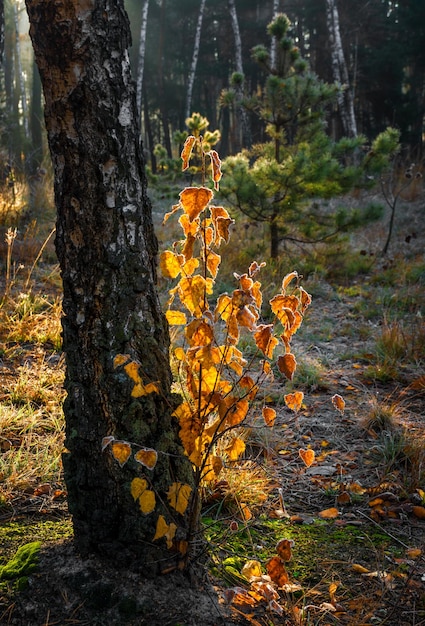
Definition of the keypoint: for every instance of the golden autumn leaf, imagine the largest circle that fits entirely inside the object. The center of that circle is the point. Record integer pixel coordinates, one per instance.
(277, 572)
(235, 449)
(294, 400)
(132, 371)
(288, 279)
(199, 332)
(338, 402)
(246, 318)
(193, 291)
(356, 567)
(215, 166)
(212, 468)
(419, 512)
(287, 364)
(178, 496)
(194, 200)
(269, 415)
(264, 340)
(121, 451)
(186, 152)
(170, 264)
(331, 513)
(161, 528)
(137, 487)
(176, 318)
(307, 456)
(190, 228)
(413, 553)
(140, 389)
(148, 457)
(251, 569)
(120, 359)
(233, 410)
(305, 299)
(221, 221)
(284, 549)
(245, 511)
(213, 262)
(147, 502)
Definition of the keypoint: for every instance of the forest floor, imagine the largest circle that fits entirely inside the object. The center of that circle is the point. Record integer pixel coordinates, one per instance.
(353, 514)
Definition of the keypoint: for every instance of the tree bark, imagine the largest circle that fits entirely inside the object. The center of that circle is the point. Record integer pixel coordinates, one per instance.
(141, 60)
(340, 71)
(243, 114)
(192, 72)
(107, 252)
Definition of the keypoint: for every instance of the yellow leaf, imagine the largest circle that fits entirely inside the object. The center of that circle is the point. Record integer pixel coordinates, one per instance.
(121, 451)
(170, 264)
(178, 496)
(356, 567)
(161, 528)
(190, 267)
(233, 411)
(199, 333)
(212, 468)
(221, 221)
(305, 299)
(269, 416)
(137, 487)
(287, 364)
(147, 502)
(414, 553)
(120, 359)
(235, 449)
(294, 400)
(331, 513)
(251, 569)
(245, 511)
(194, 200)
(140, 390)
(132, 371)
(307, 456)
(338, 402)
(192, 292)
(187, 151)
(175, 318)
(147, 457)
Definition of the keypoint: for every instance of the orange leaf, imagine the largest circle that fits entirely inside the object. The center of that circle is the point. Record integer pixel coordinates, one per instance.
(284, 549)
(213, 262)
(189, 227)
(288, 278)
(287, 364)
(414, 553)
(120, 359)
(222, 222)
(170, 264)
(338, 402)
(192, 292)
(331, 513)
(277, 572)
(187, 151)
(294, 400)
(216, 167)
(264, 339)
(246, 318)
(199, 333)
(147, 457)
(245, 511)
(269, 416)
(121, 451)
(178, 496)
(233, 411)
(194, 200)
(307, 456)
(419, 512)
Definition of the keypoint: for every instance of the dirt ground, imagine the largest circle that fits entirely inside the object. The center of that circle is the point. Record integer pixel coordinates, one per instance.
(358, 556)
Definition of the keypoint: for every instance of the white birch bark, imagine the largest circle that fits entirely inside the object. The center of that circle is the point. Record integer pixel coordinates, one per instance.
(246, 131)
(192, 72)
(20, 72)
(274, 42)
(142, 50)
(340, 71)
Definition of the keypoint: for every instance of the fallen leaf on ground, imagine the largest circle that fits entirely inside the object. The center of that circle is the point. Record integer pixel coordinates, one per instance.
(331, 513)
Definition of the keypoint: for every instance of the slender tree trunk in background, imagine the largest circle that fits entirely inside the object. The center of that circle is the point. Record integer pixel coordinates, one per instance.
(274, 42)
(162, 99)
(35, 120)
(192, 72)
(1, 31)
(149, 134)
(142, 50)
(107, 252)
(19, 73)
(340, 71)
(242, 112)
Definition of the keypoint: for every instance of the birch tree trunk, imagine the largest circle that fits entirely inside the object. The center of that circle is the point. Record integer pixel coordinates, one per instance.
(107, 253)
(141, 59)
(243, 114)
(274, 42)
(340, 71)
(194, 64)
(19, 73)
